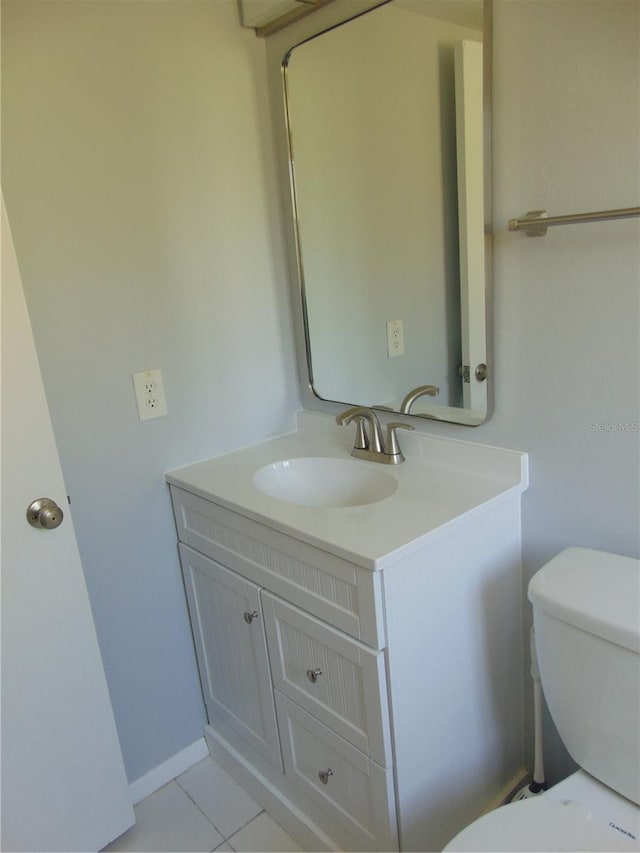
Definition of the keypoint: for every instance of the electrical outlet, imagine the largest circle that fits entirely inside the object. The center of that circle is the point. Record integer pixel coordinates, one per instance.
(395, 338)
(149, 392)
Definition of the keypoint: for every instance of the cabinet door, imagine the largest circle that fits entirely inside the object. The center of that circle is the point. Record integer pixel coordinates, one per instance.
(230, 644)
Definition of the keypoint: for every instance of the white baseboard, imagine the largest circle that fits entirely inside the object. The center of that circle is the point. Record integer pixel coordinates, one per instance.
(168, 770)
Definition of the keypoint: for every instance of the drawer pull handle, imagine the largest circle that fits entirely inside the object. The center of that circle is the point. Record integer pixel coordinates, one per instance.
(314, 674)
(249, 617)
(324, 775)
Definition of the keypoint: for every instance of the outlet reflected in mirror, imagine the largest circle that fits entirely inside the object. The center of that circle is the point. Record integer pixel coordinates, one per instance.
(385, 122)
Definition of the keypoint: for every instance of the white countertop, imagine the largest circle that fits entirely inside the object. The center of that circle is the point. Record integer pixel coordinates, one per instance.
(440, 484)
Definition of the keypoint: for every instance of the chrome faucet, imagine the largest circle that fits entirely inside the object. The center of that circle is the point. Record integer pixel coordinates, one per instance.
(369, 444)
(412, 396)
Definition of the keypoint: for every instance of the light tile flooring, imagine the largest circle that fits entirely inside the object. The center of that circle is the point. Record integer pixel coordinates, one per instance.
(200, 811)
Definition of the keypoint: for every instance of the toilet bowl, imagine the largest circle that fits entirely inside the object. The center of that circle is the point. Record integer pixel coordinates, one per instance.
(586, 607)
(579, 814)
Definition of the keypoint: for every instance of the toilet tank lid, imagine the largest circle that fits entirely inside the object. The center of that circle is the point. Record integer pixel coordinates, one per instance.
(592, 590)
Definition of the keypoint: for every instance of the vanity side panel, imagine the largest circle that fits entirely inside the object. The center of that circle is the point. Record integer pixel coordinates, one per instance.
(455, 661)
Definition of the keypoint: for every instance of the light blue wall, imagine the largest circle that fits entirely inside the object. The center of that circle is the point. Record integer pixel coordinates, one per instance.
(566, 137)
(138, 181)
(567, 306)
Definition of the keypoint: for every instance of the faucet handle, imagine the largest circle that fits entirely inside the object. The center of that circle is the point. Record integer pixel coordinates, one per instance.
(368, 445)
(362, 439)
(356, 414)
(392, 448)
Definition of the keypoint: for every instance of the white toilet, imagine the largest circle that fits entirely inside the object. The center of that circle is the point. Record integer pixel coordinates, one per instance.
(586, 609)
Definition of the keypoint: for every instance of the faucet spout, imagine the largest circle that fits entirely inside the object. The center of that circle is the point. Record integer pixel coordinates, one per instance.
(412, 396)
(371, 445)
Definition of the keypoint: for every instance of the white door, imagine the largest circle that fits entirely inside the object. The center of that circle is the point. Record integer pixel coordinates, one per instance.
(64, 786)
(469, 133)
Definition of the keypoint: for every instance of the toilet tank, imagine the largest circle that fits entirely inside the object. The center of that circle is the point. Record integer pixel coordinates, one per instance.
(586, 612)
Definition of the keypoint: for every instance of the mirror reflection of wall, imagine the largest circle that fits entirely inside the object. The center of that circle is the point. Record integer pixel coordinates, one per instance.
(372, 115)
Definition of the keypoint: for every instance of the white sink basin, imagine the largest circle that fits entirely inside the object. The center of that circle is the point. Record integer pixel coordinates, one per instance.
(319, 481)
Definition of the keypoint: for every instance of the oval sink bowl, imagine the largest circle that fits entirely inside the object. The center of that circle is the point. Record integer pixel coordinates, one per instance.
(318, 481)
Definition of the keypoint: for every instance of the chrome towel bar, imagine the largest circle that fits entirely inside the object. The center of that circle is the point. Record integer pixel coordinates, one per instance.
(535, 222)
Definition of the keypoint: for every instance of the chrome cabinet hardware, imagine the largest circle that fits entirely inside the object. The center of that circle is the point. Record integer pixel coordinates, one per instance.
(324, 775)
(250, 616)
(314, 674)
(45, 514)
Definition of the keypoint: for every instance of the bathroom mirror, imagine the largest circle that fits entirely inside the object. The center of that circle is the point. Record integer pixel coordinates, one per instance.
(387, 130)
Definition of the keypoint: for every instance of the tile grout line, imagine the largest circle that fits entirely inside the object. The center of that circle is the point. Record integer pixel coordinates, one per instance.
(244, 825)
(263, 811)
(221, 845)
(206, 817)
(221, 834)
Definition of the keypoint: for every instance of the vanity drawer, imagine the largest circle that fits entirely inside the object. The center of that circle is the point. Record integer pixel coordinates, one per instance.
(333, 589)
(353, 789)
(337, 679)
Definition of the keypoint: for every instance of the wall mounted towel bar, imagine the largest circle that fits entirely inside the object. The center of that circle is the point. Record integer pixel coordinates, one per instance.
(536, 222)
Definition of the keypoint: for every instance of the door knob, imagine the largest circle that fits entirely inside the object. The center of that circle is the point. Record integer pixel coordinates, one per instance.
(45, 514)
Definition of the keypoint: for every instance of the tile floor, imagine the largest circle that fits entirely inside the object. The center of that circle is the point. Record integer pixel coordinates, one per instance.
(200, 811)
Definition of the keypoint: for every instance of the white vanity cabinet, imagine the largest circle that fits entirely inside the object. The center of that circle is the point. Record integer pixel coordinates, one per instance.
(252, 593)
(366, 708)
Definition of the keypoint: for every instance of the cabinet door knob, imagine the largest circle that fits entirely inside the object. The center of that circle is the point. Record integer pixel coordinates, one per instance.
(324, 775)
(249, 617)
(314, 674)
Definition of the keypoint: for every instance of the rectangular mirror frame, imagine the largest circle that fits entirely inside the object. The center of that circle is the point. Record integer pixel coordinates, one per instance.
(278, 47)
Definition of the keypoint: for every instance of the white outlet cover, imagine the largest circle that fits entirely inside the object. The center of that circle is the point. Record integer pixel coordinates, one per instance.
(395, 338)
(150, 397)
